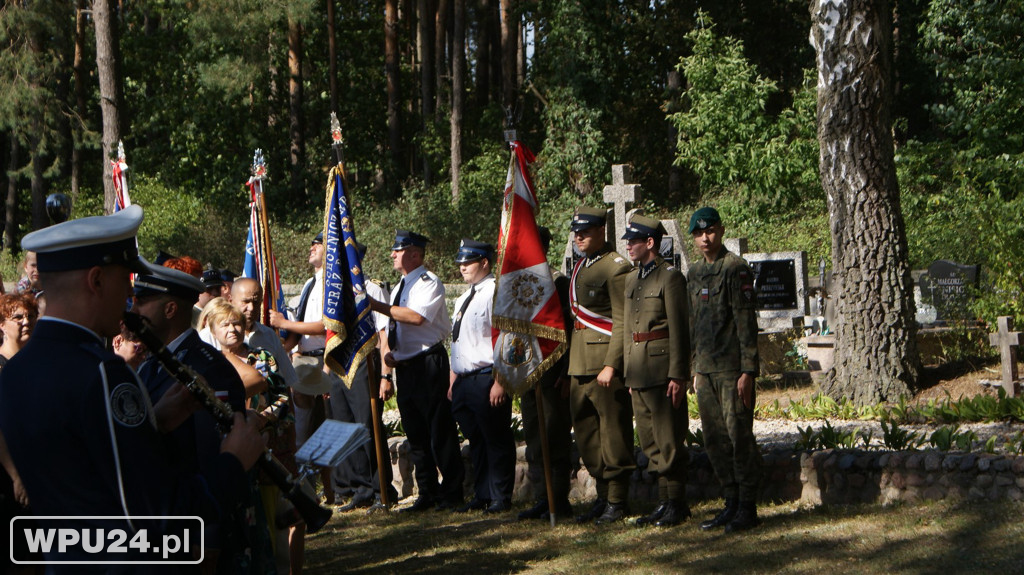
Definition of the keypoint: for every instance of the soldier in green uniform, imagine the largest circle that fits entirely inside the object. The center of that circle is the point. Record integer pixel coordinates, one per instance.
(602, 413)
(723, 336)
(656, 351)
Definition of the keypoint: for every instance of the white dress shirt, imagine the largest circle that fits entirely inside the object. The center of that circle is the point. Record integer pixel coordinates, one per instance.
(474, 350)
(423, 293)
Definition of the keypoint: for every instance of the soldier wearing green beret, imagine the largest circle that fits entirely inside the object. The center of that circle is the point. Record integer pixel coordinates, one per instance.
(723, 336)
(656, 350)
(602, 413)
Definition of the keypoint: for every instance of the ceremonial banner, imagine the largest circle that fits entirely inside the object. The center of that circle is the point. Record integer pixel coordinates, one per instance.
(118, 168)
(260, 263)
(527, 315)
(351, 333)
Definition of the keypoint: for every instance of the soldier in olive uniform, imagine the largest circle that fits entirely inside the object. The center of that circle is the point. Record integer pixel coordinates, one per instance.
(723, 336)
(656, 350)
(602, 413)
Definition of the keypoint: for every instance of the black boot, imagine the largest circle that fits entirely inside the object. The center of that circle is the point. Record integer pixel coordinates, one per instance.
(595, 511)
(746, 518)
(724, 516)
(612, 512)
(677, 512)
(537, 511)
(655, 515)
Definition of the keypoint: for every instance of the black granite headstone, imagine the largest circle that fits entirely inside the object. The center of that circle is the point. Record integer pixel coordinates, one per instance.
(775, 284)
(948, 287)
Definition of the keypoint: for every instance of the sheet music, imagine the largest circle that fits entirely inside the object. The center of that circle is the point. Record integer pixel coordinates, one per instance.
(332, 443)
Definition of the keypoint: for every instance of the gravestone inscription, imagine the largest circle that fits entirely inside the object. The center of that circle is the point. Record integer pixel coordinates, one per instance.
(948, 287)
(780, 281)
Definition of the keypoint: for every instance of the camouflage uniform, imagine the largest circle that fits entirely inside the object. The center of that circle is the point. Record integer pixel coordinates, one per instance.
(723, 336)
(602, 416)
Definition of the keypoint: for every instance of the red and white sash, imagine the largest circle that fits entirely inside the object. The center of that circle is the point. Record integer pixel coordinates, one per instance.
(595, 321)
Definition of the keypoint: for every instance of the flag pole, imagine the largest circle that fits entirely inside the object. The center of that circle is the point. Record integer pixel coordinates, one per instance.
(372, 361)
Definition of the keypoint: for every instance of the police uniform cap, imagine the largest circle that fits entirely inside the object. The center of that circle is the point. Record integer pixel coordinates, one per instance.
(162, 256)
(318, 239)
(586, 218)
(227, 275)
(704, 218)
(643, 227)
(168, 281)
(212, 278)
(87, 242)
(405, 239)
(472, 250)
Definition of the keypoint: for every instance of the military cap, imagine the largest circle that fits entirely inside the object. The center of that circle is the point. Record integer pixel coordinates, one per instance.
(472, 250)
(405, 239)
(586, 218)
(212, 278)
(643, 227)
(169, 281)
(318, 239)
(162, 256)
(704, 218)
(227, 276)
(87, 242)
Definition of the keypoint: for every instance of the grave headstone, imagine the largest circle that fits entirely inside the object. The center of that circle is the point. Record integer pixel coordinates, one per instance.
(947, 288)
(780, 281)
(1007, 341)
(620, 193)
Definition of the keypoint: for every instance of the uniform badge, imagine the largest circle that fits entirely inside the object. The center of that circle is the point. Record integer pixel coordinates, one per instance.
(703, 294)
(127, 405)
(424, 276)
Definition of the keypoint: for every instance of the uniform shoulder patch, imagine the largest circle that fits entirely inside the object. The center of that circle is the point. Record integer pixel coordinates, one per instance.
(425, 276)
(127, 405)
(619, 260)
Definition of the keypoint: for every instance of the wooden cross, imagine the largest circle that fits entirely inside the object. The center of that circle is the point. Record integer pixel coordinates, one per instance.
(1007, 341)
(620, 193)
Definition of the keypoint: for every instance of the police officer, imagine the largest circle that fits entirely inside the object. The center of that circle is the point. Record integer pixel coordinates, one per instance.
(656, 350)
(723, 335)
(601, 410)
(415, 353)
(81, 430)
(479, 403)
(554, 388)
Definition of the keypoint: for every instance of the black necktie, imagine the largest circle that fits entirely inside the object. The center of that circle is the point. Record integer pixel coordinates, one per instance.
(300, 312)
(462, 312)
(393, 325)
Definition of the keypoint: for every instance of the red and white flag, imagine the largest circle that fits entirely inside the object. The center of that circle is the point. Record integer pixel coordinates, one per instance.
(529, 329)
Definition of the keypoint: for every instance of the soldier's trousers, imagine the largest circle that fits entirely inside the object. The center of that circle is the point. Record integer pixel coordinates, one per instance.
(603, 419)
(661, 430)
(729, 434)
(558, 425)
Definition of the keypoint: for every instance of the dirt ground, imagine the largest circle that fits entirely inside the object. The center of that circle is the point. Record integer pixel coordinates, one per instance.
(961, 379)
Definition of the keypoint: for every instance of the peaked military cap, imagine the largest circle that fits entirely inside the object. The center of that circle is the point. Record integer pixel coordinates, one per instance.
(212, 278)
(704, 218)
(472, 250)
(87, 242)
(405, 239)
(162, 256)
(586, 218)
(643, 227)
(169, 281)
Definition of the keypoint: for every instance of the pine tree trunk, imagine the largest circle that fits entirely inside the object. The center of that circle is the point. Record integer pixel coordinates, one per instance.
(442, 64)
(81, 110)
(876, 355)
(483, 55)
(458, 91)
(425, 50)
(11, 201)
(111, 95)
(509, 44)
(391, 71)
(332, 57)
(297, 147)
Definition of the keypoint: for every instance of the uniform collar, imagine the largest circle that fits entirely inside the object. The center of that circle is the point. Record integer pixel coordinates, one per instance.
(645, 270)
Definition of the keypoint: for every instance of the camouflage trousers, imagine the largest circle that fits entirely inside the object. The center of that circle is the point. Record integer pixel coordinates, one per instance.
(728, 427)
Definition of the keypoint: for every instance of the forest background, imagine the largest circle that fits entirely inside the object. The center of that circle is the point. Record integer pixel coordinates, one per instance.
(711, 102)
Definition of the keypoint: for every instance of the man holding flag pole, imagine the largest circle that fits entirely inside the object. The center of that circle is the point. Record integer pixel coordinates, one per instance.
(527, 315)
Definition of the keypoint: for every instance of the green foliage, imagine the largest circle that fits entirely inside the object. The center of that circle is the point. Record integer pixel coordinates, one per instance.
(695, 438)
(725, 134)
(896, 438)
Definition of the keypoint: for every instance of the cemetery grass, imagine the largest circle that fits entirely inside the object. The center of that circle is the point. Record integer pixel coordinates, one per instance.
(936, 537)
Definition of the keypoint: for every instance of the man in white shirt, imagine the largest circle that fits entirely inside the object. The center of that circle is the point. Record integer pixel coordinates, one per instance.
(415, 353)
(479, 403)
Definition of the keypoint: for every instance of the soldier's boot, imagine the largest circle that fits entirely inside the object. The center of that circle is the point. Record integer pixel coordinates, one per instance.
(677, 512)
(612, 512)
(746, 518)
(724, 516)
(595, 511)
(655, 515)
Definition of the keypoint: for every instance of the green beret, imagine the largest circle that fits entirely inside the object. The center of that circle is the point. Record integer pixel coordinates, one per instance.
(704, 218)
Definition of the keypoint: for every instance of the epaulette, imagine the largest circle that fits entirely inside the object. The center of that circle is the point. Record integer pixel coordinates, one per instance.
(619, 260)
(425, 276)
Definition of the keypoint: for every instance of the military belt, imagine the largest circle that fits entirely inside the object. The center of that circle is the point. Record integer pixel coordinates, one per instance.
(650, 335)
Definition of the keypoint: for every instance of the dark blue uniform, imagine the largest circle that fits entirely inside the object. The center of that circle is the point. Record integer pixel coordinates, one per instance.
(82, 433)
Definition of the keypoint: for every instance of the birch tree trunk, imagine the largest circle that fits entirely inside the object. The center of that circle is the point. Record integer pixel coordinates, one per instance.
(876, 355)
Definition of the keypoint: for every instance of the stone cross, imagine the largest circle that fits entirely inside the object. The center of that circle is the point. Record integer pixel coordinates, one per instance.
(1007, 341)
(620, 193)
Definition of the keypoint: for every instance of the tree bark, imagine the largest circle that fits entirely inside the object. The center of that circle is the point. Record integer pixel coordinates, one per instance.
(111, 94)
(425, 51)
(442, 64)
(876, 356)
(458, 91)
(297, 148)
(332, 57)
(483, 55)
(81, 106)
(391, 71)
(11, 201)
(39, 186)
(509, 49)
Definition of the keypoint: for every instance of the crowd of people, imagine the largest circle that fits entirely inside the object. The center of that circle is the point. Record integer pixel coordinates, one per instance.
(80, 390)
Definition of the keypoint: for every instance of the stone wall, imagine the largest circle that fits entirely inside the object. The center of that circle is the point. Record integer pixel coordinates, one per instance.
(824, 477)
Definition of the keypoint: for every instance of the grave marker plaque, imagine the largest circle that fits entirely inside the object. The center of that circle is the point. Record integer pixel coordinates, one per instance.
(780, 280)
(947, 287)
